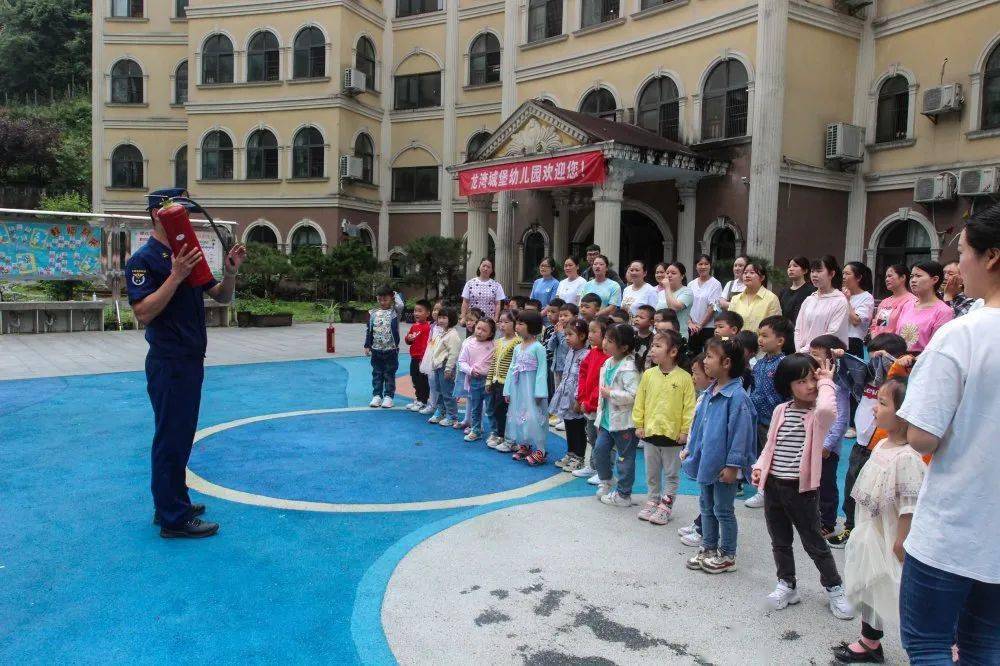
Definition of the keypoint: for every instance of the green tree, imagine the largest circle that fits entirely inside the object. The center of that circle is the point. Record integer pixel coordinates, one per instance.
(435, 262)
(264, 268)
(44, 45)
(346, 262)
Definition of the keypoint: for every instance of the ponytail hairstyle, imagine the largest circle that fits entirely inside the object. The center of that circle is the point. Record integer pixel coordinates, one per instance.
(675, 341)
(622, 335)
(829, 262)
(682, 269)
(934, 270)
(733, 350)
(863, 273)
(903, 272)
(581, 328)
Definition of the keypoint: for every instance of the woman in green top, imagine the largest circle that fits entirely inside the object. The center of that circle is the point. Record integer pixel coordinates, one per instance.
(677, 296)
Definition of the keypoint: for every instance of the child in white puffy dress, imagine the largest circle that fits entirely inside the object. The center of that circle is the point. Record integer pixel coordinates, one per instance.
(885, 495)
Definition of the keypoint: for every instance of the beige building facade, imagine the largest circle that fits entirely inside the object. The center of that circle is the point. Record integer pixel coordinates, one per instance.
(294, 117)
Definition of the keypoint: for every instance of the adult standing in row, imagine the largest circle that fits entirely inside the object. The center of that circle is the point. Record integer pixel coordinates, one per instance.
(734, 286)
(897, 282)
(825, 311)
(799, 288)
(571, 287)
(677, 296)
(857, 280)
(954, 290)
(756, 302)
(706, 292)
(951, 595)
(544, 288)
(483, 292)
(609, 291)
(921, 317)
(638, 291)
(594, 251)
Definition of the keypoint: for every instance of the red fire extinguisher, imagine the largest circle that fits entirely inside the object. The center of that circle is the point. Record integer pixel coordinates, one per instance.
(330, 339)
(176, 222)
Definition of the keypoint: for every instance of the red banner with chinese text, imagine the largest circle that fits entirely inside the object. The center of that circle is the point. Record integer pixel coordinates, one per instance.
(563, 171)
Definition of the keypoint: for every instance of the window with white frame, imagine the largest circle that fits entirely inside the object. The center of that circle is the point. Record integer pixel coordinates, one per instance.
(415, 183)
(180, 8)
(991, 91)
(892, 110)
(263, 57)
(418, 91)
(484, 60)
(534, 252)
(545, 18)
(126, 83)
(306, 236)
(308, 153)
(262, 155)
(181, 168)
(217, 156)
(217, 60)
(364, 61)
(309, 54)
(414, 7)
(596, 12)
(659, 108)
(725, 102)
(365, 150)
(126, 8)
(264, 235)
(181, 83)
(126, 167)
(477, 141)
(599, 103)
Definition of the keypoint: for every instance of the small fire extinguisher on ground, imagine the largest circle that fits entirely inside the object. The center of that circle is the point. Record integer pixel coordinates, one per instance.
(331, 333)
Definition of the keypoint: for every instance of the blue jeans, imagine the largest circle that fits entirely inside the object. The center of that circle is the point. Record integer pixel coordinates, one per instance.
(447, 406)
(385, 363)
(477, 417)
(623, 441)
(938, 609)
(718, 518)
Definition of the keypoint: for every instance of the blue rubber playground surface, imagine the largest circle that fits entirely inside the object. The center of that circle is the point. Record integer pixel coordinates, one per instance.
(85, 578)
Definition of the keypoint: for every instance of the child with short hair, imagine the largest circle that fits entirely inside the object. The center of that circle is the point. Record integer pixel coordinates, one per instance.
(643, 324)
(590, 305)
(748, 340)
(886, 490)
(474, 363)
(533, 304)
(516, 303)
(564, 404)
(728, 324)
(382, 344)
(663, 411)
(619, 382)
(620, 316)
(417, 337)
(588, 387)
(472, 317)
(824, 347)
(526, 391)
(789, 471)
(503, 351)
(445, 361)
(773, 333)
(427, 363)
(720, 448)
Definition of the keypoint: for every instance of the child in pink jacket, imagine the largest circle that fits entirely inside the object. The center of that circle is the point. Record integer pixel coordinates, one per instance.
(788, 473)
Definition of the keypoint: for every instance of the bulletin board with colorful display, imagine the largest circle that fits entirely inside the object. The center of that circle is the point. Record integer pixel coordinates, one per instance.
(53, 250)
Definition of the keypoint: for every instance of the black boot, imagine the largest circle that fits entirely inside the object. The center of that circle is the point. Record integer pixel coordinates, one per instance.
(192, 529)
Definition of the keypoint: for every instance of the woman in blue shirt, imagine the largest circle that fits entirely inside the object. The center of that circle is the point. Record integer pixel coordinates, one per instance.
(545, 287)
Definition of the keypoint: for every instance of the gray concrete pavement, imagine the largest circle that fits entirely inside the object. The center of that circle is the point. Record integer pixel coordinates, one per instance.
(58, 354)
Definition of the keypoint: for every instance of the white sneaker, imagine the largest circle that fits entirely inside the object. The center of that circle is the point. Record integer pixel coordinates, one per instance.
(492, 441)
(505, 446)
(783, 596)
(376, 402)
(755, 502)
(584, 472)
(415, 406)
(446, 422)
(426, 409)
(851, 433)
(386, 403)
(433, 419)
(615, 498)
(839, 605)
(693, 539)
(687, 529)
(594, 480)
(603, 489)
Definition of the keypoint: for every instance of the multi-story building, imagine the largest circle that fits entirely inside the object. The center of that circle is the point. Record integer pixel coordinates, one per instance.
(711, 118)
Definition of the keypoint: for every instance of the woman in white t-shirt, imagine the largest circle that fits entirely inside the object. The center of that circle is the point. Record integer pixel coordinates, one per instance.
(571, 287)
(638, 291)
(483, 292)
(858, 287)
(951, 570)
(706, 291)
(734, 286)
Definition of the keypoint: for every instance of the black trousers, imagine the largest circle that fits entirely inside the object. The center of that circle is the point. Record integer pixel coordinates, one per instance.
(499, 408)
(576, 436)
(421, 382)
(855, 347)
(174, 387)
(785, 510)
(859, 456)
(829, 492)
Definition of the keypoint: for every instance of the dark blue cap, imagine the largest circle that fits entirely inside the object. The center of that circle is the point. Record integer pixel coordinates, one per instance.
(157, 198)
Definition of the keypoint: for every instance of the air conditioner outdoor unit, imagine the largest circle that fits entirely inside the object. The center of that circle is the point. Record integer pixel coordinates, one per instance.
(845, 143)
(354, 81)
(351, 167)
(942, 99)
(977, 182)
(934, 188)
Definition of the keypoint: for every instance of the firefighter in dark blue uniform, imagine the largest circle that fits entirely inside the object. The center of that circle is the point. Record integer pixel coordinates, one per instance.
(174, 316)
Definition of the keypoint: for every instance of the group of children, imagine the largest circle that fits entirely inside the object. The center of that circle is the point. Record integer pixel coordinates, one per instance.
(746, 410)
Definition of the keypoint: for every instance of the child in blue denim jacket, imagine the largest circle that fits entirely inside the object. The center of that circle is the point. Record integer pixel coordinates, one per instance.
(721, 447)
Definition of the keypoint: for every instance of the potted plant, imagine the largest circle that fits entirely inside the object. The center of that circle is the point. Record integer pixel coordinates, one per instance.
(266, 314)
(243, 312)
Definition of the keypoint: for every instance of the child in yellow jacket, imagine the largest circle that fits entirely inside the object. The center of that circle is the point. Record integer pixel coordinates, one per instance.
(664, 409)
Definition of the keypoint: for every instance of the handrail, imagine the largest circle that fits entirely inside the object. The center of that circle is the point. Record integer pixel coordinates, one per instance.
(100, 216)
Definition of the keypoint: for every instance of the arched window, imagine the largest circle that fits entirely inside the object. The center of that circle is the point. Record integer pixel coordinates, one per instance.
(599, 103)
(892, 113)
(364, 149)
(217, 156)
(364, 61)
(309, 54)
(365, 238)
(217, 60)
(991, 91)
(545, 19)
(264, 235)
(126, 82)
(598, 11)
(397, 265)
(181, 83)
(723, 245)
(475, 143)
(307, 153)
(725, 102)
(126, 167)
(126, 8)
(181, 167)
(306, 235)
(262, 156)
(534, 252)
(484, 60)
(905, 242)
(659, 108)
(263, 57)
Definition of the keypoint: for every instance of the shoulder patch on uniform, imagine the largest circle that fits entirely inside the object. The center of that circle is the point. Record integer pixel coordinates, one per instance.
(138, 277)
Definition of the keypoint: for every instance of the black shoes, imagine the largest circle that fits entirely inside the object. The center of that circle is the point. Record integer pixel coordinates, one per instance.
(196, 510)
(846, 655)
(192, 529)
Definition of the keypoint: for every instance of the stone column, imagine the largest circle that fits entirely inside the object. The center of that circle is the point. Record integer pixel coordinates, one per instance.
(857, 201)
(768, 113)
(608, 212)
(449, 88)
(478, 240)
(508, 102)
(383, 158)
(560, 225)
(685, 224)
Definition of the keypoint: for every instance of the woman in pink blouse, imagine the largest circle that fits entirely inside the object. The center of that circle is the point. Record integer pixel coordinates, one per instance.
(921, 317)
(897, 281)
